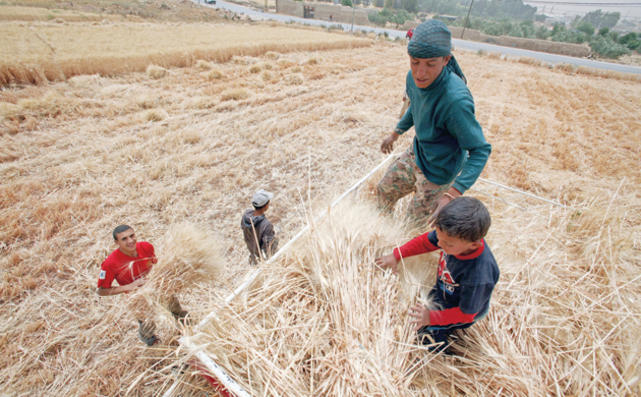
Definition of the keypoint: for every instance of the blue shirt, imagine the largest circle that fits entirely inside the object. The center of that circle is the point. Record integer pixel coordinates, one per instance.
(466, 282)
(449, 139)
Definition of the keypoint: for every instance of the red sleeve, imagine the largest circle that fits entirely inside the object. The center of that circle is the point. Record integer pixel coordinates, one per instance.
(416, 246)
(450, 316)
(106, 276)
(146, 250)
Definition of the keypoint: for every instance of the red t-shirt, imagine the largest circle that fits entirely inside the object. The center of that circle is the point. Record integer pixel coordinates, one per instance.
(124, 268)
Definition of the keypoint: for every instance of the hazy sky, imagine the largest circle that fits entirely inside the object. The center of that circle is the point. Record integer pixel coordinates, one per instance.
(629, 9)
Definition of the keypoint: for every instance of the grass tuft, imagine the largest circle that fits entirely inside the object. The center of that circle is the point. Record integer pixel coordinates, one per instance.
(214, 74)
(294, 79)
(235, 94)
(155, 115)
(268, 76)
(203, 65)
(284, 63)
(156, 72)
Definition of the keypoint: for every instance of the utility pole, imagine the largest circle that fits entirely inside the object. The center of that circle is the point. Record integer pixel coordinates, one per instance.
(467, 18)
(353, 12)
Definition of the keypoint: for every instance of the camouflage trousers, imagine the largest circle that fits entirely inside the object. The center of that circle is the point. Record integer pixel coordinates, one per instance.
(402, 178)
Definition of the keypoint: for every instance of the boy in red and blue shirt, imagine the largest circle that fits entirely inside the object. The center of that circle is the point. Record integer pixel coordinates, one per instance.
(467, 270)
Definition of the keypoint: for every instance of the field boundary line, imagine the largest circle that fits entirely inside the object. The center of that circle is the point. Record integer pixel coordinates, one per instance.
(522, 192)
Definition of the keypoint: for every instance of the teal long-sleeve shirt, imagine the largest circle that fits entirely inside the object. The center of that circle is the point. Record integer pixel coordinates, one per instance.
(449, 140)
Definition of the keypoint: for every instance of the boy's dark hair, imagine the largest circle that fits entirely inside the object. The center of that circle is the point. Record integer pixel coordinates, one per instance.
(465, 218)
(120, 229)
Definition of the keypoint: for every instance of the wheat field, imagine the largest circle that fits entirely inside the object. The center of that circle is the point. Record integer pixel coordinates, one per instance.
(47, 51)
(167, 146)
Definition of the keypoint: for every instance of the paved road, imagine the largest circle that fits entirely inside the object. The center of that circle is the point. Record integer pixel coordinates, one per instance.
(458, 43)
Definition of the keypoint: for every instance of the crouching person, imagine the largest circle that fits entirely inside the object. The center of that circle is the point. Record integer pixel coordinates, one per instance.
(467, 271)
(128, 265)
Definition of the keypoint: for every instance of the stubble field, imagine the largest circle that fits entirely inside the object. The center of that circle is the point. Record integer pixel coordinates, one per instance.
(177, 145)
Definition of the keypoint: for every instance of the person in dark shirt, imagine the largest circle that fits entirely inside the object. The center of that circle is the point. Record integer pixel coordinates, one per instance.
(258, 231)
(467, 271)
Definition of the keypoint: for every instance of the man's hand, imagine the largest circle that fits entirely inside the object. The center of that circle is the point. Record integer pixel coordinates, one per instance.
(136, 284)
(387, 262)
(448, 196)
(388, 143)
(146, 332)
(420, 316)
(121, 289)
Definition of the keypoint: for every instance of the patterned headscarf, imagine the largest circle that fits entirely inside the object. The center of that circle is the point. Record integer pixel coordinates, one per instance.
(432, 39)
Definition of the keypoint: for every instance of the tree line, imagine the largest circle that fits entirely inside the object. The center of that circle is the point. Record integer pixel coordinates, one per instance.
(512, 18)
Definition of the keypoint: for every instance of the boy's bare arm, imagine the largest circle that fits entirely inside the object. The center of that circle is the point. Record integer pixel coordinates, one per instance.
(387, 262)
(448, 196)
(420, 316)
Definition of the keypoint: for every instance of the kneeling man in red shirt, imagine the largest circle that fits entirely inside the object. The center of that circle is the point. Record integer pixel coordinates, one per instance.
(128, 265)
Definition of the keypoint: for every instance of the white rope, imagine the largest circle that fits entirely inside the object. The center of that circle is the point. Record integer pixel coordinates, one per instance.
(522, 192)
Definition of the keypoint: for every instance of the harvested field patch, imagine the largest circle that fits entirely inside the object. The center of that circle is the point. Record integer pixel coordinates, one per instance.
(20, 13)
(564, 317)
(107, 10)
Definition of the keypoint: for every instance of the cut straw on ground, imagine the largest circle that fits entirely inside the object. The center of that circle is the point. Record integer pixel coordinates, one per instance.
(81, 156)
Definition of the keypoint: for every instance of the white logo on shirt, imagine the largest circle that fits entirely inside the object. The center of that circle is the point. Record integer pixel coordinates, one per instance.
(102, 275)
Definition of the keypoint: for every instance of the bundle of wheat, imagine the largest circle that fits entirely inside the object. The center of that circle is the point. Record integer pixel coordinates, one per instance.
(325, 321)
(189, 254)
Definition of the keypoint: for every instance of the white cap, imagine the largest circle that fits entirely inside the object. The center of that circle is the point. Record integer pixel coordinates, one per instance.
(261, 198)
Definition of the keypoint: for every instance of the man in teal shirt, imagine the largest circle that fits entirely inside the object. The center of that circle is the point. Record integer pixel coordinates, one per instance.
(449, 150)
